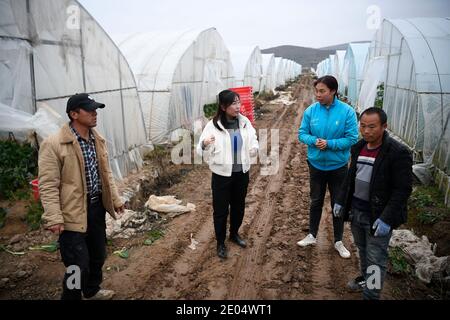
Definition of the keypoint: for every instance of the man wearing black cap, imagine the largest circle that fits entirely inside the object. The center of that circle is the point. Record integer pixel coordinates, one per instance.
(77, 188)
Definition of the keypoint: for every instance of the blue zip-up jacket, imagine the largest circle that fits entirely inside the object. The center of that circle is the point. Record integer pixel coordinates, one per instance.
(336, 124)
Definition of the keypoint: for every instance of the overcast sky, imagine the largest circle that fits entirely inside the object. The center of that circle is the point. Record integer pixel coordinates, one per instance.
(309, 23)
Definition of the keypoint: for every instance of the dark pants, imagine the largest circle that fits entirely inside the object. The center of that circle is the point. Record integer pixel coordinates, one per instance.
(318, 182)
(373, 251)
(87, 251)
(228, 196)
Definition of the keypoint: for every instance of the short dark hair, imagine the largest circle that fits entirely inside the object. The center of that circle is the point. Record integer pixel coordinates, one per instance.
(375, 110)
(330, 82)
(75, 110)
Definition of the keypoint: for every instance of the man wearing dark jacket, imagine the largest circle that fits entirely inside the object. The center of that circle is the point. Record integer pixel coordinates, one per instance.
(374, 197)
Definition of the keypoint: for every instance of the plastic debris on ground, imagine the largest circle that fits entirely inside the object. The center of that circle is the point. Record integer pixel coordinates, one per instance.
(168, 204)
(420, 252)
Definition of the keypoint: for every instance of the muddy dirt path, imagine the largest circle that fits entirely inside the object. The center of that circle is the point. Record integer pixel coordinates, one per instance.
(271, 267)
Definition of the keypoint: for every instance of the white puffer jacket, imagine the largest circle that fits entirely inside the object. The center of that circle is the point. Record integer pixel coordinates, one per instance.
(219, 154)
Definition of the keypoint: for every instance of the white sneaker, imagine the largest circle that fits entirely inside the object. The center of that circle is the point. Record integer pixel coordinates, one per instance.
(343, 252)
(102, 294)
(308, 240)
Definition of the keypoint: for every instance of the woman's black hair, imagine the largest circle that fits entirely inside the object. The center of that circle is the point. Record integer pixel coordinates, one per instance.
(330, 82)
(224, 99)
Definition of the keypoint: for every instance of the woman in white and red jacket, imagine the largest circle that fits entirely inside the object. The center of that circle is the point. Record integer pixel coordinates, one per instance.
(228, 144)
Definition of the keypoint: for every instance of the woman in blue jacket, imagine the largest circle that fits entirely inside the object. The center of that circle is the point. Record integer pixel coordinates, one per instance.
(329, 128)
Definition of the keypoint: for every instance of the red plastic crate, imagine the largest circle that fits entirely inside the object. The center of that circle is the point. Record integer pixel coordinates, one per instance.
(35, 188)
(247, 102)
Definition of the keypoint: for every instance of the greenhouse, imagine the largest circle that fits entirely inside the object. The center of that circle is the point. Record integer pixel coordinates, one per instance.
(177, 74)
(287, 69)
(338, 68)
(297, 69)
(415, 86)
(352, 73)
(247, 67)
(293, 70)
(279, 71)
(50, 50)
(290, 70)
(331, 70)
(323, 67)
(268, 62)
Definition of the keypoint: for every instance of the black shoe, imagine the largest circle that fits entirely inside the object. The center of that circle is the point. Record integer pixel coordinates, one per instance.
(358, 284)
(222, 251)
(238, 240)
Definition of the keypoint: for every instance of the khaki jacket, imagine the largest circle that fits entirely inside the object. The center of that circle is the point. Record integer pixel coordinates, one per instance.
(62, 180)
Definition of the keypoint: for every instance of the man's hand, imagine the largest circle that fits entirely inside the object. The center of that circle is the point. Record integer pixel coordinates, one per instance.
(321, 144)
(337, 210)
(120, 210)
(57, 228)
(381, 229)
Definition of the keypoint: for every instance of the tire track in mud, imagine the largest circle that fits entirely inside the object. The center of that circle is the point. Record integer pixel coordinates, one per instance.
(247, 275)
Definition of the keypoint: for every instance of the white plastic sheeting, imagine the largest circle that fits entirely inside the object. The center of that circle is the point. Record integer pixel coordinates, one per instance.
(323, 67)
(289, 73)
(293, 69)
(44, 123)
(352, 72)
(51, 49)
(247, 67)
(279, 67)
(177, 74)
(269, 80)
(299, 69)
(286, 70)
(331, 70)
(296, 69)
(374, 75)
(338, 68)
(417, 86)
(333, 66)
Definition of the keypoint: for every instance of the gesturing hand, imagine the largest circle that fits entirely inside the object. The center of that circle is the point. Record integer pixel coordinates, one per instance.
(209, 140)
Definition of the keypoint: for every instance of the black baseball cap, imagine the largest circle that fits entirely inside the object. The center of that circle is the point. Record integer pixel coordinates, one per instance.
(84, 101)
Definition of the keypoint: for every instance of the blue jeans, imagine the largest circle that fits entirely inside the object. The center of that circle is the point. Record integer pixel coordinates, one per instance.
(373, 251)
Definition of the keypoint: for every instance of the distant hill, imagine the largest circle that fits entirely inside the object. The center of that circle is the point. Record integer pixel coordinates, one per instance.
(307, 57)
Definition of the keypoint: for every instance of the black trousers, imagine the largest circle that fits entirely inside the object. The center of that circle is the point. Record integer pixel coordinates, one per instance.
(228, 197)
(87, 251)
(318, 182)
